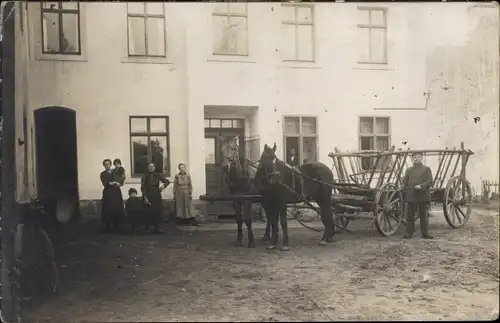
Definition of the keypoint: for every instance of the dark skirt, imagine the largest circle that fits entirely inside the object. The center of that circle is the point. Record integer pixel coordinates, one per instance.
(112, 209)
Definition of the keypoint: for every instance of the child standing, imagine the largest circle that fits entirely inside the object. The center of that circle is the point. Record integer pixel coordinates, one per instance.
(183, 190)
(133, 207)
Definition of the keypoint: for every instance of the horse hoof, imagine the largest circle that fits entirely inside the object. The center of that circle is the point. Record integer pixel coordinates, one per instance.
(329, 240)
(322, 243)
(266, 238)
(251, 244)
(271, 247)
(285, 248)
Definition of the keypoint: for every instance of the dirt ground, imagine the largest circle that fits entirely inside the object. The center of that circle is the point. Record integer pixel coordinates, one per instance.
(201, 276)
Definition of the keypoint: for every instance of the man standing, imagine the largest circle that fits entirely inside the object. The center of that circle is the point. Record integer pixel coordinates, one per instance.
(292, 159)
(416, 184)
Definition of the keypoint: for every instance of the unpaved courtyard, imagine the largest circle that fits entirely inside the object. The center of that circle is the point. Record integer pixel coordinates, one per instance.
(200, 276)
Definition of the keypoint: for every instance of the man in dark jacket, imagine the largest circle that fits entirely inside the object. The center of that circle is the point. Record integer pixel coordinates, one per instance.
(292, 158)
(416, 184)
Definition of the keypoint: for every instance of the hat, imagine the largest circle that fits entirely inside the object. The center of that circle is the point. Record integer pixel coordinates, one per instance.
(416, 153)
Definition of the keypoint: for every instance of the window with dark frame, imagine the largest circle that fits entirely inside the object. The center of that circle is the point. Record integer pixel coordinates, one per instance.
(146, 30)
(224, 123)
(300, 133)
(149, 142)
(61, 27)
(374, 134)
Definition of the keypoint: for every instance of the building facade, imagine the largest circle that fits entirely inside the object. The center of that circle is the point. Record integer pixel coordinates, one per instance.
(171, 82)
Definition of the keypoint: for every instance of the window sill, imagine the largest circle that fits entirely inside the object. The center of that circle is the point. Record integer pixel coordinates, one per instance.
(299, 64)
(61, 57)
(372, 66)
(218, 58)
(146, 60)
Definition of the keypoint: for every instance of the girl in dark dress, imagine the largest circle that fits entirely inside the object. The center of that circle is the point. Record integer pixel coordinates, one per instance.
(118, 171)
(151, 192)
(112, 211)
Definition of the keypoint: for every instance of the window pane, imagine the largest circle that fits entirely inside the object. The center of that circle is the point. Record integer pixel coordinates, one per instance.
(305, 43)
(363, 44)
(288, 42)
(291, 143)
(156, 36)
(159, 153)
(382, 125)
(138, 125)
(209, 150)
(366, 143)
(304, 14)
(377, 17)
(207, 123)
(139, 155)
(51, 32)
(378, 45)
(238, 8)
(287, 13)
(52, 5)
(70, 33)
(136, 36)
(238, 123)
(238, 43)
(227, 123)
(70, 5)
(158, 125)
(366, 125)
(220, 40)
(135, 8)
(309, 125)
(363, 17)
(215, 123)
(154, 8)
(309, 149)
(382, 143)
(292, 125)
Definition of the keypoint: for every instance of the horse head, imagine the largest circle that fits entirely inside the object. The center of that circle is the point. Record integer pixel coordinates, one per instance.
(231, 163)
(267, 165)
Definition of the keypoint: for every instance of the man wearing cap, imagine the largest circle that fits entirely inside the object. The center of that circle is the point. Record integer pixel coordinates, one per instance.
(416, 184)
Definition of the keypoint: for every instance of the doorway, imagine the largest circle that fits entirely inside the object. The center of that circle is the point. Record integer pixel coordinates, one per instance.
(57, 160)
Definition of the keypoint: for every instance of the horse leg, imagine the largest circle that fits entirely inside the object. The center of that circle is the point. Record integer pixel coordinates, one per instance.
(284, 226)
(239, 222)
(267, 233)
(327, 219)
(272, 218)
(247, 207)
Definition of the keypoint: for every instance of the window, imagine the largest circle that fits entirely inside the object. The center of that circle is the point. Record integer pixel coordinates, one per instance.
(297, 29)
(61, 28)
(374, 134)
(300, 134)
(372, 35)
(149, 142)
(230, 28)
(146, 29)
(225, 123)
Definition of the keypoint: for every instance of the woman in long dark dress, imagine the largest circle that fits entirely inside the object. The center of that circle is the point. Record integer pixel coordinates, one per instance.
(151, 192)
(112, 210)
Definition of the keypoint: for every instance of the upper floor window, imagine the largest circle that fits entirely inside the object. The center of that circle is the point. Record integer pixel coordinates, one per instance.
(150, 142)
(230, 28)
(61, 28)
(146, 29)
(297, 26)
(372, 35)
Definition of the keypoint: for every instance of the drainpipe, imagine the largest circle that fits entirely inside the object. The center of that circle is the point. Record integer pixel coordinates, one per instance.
(9, 310)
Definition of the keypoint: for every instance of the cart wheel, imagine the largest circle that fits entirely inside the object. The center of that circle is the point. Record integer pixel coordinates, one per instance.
(388, 212)
(457, 205)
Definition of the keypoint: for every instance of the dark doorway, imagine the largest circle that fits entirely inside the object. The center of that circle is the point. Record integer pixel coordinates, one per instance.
(56, 159)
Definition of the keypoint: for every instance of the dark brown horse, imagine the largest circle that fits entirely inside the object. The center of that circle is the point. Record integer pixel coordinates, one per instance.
(239, 182)
(281, 184)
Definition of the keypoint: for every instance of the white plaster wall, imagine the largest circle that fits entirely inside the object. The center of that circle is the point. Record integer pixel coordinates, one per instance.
(104, 91)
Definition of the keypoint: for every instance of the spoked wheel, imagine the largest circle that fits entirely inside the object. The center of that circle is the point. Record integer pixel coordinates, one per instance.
(388, 212)
(457, 206)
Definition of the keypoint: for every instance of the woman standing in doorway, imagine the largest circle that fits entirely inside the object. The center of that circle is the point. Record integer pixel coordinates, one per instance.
(151, 192)
(112, 211)
(183, 190)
